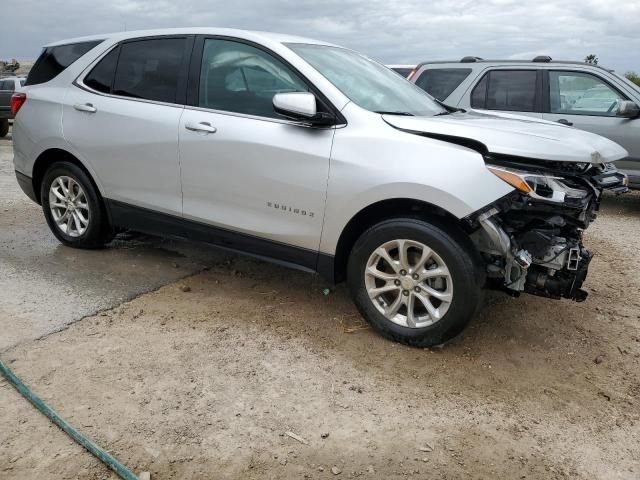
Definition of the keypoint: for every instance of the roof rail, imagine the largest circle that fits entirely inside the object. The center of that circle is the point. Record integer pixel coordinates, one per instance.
(470, 59)
(542, 59)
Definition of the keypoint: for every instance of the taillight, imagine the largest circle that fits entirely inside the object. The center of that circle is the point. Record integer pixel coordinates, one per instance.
(17, 100)
(412, 74)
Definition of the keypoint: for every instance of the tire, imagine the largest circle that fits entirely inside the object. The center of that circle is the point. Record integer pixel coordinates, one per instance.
(74, 232)
(4, 128)
(458, 280)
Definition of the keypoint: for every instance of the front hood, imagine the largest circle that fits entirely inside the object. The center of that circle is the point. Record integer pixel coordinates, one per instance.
(514, 135)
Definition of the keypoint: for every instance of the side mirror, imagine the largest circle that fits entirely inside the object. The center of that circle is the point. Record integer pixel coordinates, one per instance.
(628, 109)
(301, 106)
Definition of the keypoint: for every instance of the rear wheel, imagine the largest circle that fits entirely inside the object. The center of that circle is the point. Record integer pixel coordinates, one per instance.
(414, 282)
(73, 208)
(4, 128)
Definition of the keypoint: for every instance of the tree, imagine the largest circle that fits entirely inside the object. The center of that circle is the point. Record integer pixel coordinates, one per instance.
(591, 59)
(634, 77)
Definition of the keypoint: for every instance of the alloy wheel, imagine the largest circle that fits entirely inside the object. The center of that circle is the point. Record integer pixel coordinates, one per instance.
(69, 206)
(408, 283)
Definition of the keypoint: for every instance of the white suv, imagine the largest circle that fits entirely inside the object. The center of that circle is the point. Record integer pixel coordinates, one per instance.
(314, 156)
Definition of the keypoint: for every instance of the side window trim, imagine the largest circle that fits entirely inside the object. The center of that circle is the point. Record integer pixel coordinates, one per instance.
(546, 91)
(181, 89)
(194, 79)
(538, 102)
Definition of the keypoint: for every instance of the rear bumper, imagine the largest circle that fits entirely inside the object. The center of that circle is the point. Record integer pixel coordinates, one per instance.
(26, 184)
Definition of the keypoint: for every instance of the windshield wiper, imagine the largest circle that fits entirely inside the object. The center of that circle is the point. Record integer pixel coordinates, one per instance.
(406, 114)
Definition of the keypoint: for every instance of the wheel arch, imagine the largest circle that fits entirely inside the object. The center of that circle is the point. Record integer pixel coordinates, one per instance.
(51, 156)
(334, 267)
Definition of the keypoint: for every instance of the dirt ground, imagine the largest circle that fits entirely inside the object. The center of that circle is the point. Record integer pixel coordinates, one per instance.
(204, 383)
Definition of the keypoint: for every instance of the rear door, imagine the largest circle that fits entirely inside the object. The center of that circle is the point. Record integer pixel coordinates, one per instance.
(512, 90)
(589, 102)
(123, 118)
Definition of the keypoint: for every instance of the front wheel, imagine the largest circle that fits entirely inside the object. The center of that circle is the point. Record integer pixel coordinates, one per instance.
(414, 282)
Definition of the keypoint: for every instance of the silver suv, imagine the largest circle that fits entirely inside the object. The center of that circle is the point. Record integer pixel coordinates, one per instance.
(576, 94)
(314, 156)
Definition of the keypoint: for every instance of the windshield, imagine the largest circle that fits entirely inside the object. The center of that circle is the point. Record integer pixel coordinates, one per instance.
(368, 84)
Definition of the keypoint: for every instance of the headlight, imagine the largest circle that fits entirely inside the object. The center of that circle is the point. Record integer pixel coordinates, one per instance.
(540, 187)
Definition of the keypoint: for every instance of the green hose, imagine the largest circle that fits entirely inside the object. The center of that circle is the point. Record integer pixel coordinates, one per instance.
(103, 456)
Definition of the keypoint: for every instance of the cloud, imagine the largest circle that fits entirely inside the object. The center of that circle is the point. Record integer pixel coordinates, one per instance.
(391, 31)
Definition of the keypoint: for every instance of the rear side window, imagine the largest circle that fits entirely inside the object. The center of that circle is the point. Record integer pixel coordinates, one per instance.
(510, 90)
(441, 82)
(54, 60)
(149, 69)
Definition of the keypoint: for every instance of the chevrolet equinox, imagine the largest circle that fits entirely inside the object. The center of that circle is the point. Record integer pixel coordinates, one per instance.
(313, 156)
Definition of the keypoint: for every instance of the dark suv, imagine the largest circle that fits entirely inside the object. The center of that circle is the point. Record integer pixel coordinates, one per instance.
(8, 86)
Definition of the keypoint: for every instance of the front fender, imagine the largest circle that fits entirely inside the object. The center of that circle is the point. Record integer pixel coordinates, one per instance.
(372, 162)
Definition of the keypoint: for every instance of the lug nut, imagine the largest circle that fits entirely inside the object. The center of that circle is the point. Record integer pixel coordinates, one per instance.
(417, 289)
(405, 293)
(416, 276)
(403, 272)
(396, 282)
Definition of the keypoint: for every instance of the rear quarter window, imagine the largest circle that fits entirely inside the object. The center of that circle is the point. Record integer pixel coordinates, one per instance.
(441, 82)
(403, 72)
(508, 90)
(54, 60)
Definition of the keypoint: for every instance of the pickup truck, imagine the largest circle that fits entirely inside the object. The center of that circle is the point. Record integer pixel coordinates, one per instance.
(8, 86)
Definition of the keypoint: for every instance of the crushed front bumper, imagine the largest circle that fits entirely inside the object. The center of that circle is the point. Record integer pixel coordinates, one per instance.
(533, 244)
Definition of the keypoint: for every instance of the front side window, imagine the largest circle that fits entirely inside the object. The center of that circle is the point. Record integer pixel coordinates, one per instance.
(441, 82)
(54, 60)
(149, 69)
(508, 90)
(577, 93)
(240, 78)
(368, 84)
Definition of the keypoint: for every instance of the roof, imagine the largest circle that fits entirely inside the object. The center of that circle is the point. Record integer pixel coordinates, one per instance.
(536, 61)
(248, 34)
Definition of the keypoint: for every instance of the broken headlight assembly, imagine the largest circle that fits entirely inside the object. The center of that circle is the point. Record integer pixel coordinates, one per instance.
(539, 186)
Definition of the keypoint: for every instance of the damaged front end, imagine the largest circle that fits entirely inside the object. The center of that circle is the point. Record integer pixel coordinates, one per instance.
(531, 240)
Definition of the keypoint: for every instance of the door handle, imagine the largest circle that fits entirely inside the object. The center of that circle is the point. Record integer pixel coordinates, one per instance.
(566, 122)
(204, 127)
(85, 107)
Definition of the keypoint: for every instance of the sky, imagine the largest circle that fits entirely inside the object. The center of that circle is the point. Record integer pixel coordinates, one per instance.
(390, 31)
